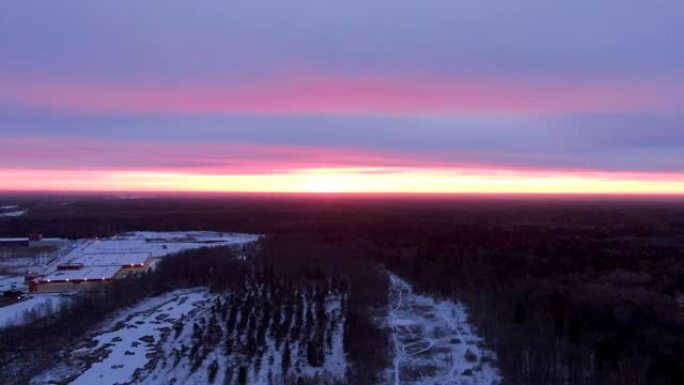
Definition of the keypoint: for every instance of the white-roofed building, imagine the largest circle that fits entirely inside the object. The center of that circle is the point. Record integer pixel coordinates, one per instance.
(89, 268)
(114, 258)
(85, 278)
(92, 265)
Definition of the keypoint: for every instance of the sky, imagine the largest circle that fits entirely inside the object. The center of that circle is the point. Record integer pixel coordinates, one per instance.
(439, 96)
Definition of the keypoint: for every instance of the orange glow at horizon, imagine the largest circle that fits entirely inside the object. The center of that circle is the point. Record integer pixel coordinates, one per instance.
(347, 180)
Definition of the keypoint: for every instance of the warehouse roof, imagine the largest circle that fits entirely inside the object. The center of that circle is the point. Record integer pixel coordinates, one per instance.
(112, 259)
(87, 273)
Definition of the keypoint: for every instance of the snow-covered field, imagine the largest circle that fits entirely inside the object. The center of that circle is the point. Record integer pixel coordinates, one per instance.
(31, 308)
(195, 337)
(434, 343)
(12, 211)
(113, 353)
(8, 282)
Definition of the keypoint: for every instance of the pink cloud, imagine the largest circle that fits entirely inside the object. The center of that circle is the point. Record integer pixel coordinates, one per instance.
(206, 158)
(68, 156)
(339, 95)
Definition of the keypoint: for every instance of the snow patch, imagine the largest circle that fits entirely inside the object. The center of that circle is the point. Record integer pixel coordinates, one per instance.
(434, 343)
(31, 308)
(255, 335)
(12, 211)
(127, 343)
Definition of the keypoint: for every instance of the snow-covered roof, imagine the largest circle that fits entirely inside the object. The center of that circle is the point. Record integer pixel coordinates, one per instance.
(113, 246)
(86, 273)
(137, 247)
(112, 259)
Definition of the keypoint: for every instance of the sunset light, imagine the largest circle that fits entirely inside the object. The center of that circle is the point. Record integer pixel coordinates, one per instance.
(346, 180)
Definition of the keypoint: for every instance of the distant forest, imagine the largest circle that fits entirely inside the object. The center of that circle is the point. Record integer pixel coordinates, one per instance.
(564, 292)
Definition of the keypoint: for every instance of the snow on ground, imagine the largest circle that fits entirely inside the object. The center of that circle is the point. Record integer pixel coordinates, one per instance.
(433, 342)
(30, 308)
(127, 344)
(207, 350)
(196, 337)
(12, 211)
(8, 282)
(15, 213)
(334, 366)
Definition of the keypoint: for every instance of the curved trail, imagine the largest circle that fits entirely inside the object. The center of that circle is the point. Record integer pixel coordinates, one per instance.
(399, 287)
(431, 339)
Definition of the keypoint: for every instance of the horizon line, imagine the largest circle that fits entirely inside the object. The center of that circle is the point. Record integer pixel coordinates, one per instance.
(148, 194)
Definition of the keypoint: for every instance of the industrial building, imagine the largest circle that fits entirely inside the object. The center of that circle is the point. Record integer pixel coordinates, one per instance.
(83, 270)
(130, 263)
(92, 265)
(76, 278)
(37, 240)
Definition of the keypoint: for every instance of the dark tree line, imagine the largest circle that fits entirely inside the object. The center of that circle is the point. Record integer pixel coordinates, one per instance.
(581, 303)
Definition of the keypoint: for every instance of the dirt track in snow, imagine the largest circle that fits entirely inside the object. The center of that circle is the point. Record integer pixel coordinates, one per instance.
(433, 342)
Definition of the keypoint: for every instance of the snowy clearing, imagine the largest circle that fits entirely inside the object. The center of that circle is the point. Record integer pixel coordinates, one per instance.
(16, 213)
(31, 308)
(8, 282)
(250, 348)
(12, 211)
(434, 343)
(127, 344)
(255, 335)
